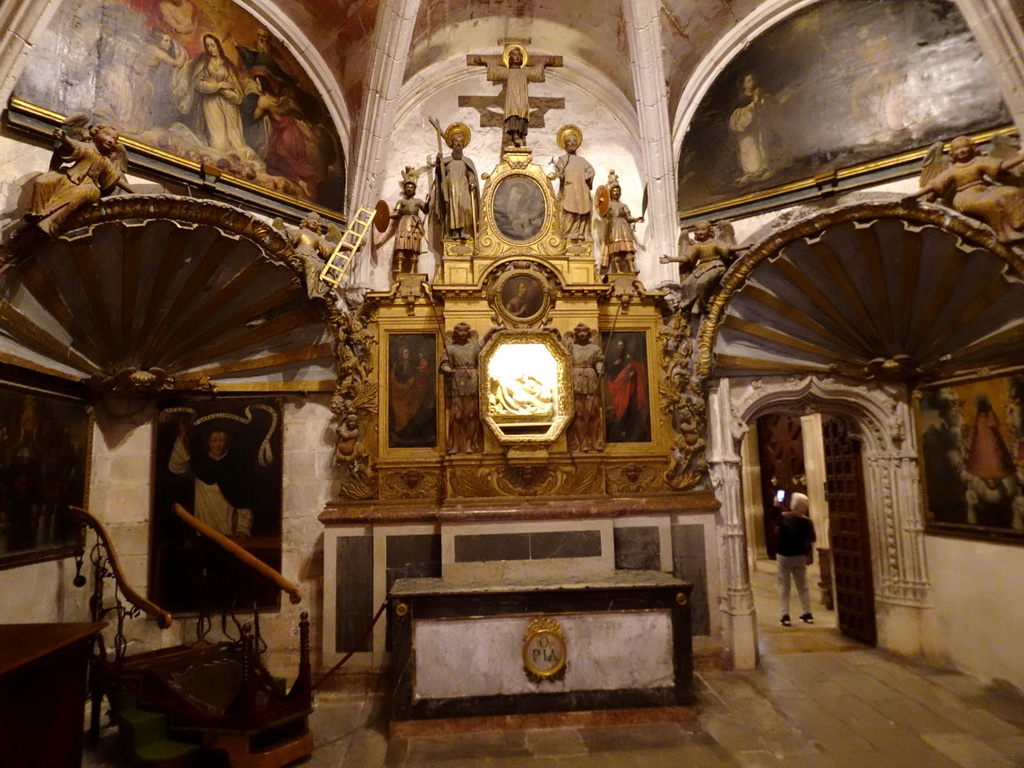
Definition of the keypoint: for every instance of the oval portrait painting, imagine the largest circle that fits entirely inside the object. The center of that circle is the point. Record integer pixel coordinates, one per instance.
(519, 208)
(522, 296)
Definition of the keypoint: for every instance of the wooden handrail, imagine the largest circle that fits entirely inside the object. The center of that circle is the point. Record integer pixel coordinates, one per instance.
(163, 618)
(232, 548)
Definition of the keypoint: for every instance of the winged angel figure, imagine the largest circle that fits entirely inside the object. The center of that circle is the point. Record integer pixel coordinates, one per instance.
(88, 162)
(313, 248)
(703, 257)
(982, 186)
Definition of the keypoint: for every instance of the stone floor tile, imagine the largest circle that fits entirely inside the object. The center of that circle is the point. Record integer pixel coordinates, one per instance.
(633, 737)
(893, 738)
(733, 732)
(866, 687)
(968, 751)
(822, 727)
(910, 714)
(555, 742)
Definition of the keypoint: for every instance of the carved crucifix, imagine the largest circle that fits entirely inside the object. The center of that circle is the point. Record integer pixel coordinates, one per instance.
(516, 70)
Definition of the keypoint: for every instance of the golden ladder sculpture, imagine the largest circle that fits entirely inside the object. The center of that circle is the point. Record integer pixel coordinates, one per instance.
(346, 249)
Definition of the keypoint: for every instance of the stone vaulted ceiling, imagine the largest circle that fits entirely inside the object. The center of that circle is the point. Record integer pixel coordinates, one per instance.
(594, 35)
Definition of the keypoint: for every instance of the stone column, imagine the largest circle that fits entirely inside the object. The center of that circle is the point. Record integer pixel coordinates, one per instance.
(21, 22)
(739, 624)
(386, 71)
(996, 25)
(643, 27)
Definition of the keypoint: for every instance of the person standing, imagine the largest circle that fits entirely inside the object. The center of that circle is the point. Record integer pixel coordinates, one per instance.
(796, 537)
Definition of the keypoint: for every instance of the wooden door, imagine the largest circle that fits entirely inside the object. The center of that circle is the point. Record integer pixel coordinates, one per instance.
(780, 449)
(848, 528)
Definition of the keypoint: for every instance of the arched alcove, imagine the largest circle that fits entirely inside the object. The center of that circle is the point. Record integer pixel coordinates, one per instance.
(187, 291)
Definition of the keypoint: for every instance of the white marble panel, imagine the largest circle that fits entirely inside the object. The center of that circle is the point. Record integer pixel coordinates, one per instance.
(458, 658)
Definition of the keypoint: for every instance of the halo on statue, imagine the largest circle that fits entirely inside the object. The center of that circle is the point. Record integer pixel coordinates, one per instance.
(602, 199)
(457, 129)
(382, 216)
(508, 50)
(569, 130)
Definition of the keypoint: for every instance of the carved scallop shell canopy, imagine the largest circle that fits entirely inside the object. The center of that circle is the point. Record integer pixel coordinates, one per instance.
(187, 301)
(879, 299)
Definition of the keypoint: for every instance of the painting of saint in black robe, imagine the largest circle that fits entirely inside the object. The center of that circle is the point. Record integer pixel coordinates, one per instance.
(220, 460)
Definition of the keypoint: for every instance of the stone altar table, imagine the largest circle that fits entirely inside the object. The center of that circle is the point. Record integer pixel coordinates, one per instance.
(476, 647)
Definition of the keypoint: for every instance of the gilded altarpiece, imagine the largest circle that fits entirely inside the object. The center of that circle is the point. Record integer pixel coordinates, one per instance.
(462, 411)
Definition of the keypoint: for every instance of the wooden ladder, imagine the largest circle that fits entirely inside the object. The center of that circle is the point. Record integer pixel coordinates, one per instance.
(336, 267)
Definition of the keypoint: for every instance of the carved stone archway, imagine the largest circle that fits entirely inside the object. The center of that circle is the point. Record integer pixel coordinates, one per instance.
(879, 415)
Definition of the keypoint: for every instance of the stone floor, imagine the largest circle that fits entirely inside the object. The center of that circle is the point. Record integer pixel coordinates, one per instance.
(817, 700)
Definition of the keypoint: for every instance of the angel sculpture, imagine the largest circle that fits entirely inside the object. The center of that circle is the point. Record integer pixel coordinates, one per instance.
(619, 238)
(977, 185)
(407, 226)
(313, 248)
(702, 262)
(80, 172)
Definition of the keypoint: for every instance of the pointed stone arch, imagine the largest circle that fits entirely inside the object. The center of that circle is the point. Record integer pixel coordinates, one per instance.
(881, 416)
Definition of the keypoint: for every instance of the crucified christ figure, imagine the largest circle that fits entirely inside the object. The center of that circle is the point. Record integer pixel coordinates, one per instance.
(512, 69)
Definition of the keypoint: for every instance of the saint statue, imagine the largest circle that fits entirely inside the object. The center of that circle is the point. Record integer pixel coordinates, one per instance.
(407, 226)
(575, 180)
(457, 179)
(462, 389)
(619, 238)
(516, 73)
(587, 362)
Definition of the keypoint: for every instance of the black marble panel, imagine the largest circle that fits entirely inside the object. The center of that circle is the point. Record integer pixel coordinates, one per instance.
(485, 548)
(637, 549)
(353, 604)
(548, 545)
(410, 556)
(689, 561)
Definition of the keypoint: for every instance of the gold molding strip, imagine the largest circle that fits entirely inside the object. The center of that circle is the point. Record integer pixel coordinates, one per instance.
(49, 116)
(841, 174)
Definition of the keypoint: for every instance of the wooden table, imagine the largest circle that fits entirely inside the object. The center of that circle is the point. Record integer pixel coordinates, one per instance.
(42, 693)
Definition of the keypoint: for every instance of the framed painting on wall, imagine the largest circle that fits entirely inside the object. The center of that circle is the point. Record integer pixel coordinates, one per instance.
(972, 451)
(412, 390)
(836, 84)
(627, 417)
(45, 442)
(220, 459)
(197, 86)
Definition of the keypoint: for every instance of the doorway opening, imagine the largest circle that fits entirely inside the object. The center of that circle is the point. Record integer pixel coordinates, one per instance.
(817, 455)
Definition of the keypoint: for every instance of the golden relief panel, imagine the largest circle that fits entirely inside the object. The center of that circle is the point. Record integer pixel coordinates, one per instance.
(410, 484)
(528, 480)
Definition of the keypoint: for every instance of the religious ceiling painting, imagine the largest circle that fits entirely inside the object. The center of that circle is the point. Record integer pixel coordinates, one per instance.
(627, 417)
(888, 77)
(198, 80)
(219, 459)
(44, 451)
(412, 390)
(972, 447)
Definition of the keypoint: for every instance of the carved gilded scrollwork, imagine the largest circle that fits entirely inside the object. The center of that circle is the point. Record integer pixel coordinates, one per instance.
(526, 480)
(354, 404)
(636, 477)
(410, 484)
(683, 401)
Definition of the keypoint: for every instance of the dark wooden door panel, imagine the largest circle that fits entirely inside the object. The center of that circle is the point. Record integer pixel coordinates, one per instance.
(848, 531)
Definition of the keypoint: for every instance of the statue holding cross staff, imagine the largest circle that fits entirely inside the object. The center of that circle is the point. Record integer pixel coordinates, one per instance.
(513, 69)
